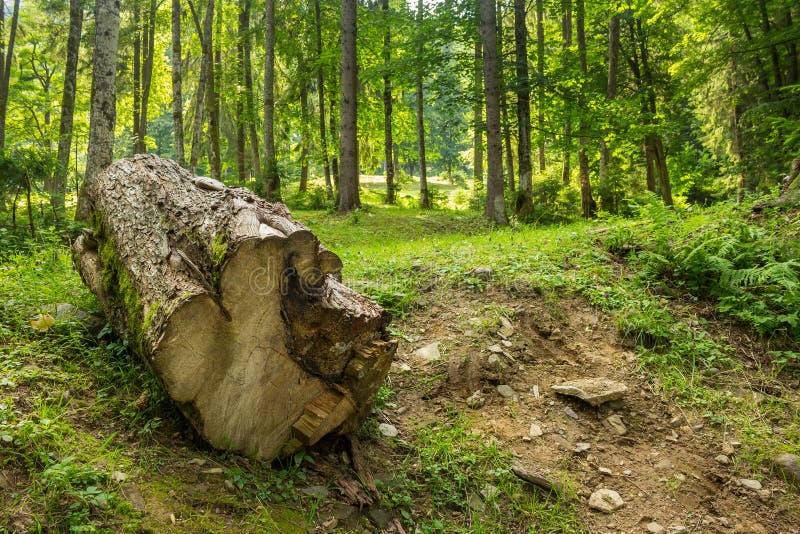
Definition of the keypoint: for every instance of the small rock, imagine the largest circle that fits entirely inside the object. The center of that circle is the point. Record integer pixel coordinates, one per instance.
(496, 349)
(535, 431)
(400, 367)
(507, 344)
(595, 391)
(556, 334)
(118, 476)
(606, 500)
(764, 495)
(570, 412)
(197, 461)
(213, 471)
(320, 492)
(132, 495)
(401, 410)
(789, 466)
(676, 421)
(605, 471)
(476, 400)
(654, 528)
(390, 431)
(429, 353)
(507, 392)
(614, 423)
(229, 485)
(493, 361)
(627, 472)
(722, 459)
(582, 447)
(728, 449)
(507, 329)
(475, 503)
(749, 483)
(483, 272)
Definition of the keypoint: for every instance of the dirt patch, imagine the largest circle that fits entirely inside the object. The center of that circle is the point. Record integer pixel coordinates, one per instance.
(666, 466)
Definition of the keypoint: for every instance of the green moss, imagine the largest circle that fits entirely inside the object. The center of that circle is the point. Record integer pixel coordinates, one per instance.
(218, 250)
(119, 287)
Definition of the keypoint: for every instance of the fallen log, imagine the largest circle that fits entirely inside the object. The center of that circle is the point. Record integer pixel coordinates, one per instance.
(234, 305)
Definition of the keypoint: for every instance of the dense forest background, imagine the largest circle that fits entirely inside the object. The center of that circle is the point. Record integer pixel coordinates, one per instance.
(576, 107)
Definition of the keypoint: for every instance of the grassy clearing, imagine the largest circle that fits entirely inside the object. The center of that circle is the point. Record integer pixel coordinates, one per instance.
(75, 409)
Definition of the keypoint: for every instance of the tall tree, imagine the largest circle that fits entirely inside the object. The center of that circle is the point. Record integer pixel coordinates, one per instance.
(609, 200)
(304, 137)
(5, 65)
(348, 143)
(148, 51)
(424, 200)
(103, 114)
(477, 111)
(272, 184)
(67, 108)
(213, 89)
(177, 97)
(566, 32)
(321, 99)
(200, 100)
(525, 196)
(508, 155)
(251, 116)
(495, 208)
(588, 205)
(388, 143)
(540, 83)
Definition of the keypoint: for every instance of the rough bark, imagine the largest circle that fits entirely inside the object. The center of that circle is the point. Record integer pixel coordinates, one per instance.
(566, 32)
(304, 137)
(348, 143)
(5, 69)
(609, 200)
(251, 117)
(326, 166)
(477, 115)
(197, 127)
(136, 73)
(67, 108)
(213, 89)
(540, 83)
(272, 185)
(234, 306)
(103, 114)
(424, 200)
(148, 49)
(495, 208)
(177, 97)
(388, 143)
(525, 196)
(508, 156)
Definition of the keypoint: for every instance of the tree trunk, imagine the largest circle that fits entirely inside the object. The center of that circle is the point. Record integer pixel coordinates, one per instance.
(525, 198)
(304, 136)
(5, 69)
(239, 108)
(199, 104)
(67, 108)
(477, 114)
(540, 72)
(348, 143)
(791, 51)
(103, 113)
(244, 322)
(136, 72)
(272, 184)
(334, 148)
(773, 50)
(566, 31)
(212, 91)
(424, 200)
(495, 208)
(388, 143)
(177, 97)
(588, 205)
(609, 200)
(326, 166)
(508, 171)
(147, 77)
(251, 117)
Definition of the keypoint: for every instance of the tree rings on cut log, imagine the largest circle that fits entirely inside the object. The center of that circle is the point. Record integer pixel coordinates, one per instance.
(234, 305)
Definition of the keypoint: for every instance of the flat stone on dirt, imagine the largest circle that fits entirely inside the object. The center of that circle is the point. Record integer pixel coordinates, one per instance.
(595, 391)
(429, 353)
(535, 431)
(750, 483)
(789, 466)
(606, 500)
(654, 528)
(476, 400)
(482, 273)
(722, 459)
(614, 424)
(390, 431)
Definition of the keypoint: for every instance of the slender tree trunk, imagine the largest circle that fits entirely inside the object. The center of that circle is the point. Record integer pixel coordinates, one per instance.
(103, 110)
(588, 205)
(304, 136)
(5, 69)
(495, 203)
(251, 116)
(763, 79)
(424, 200)
(137, 73)
(387, 107)
(147, 77)
(791, 50)
(212, 92)
(31, 223)
(239, 108)
(525, 197)
(177, 97)
(272, 185)
(321, 98)
(540, 72)
(566, 31)
(197, 129)
(334, 148)
(348, 143)
(609, 199)
(477, 114)
(67, 108)
(508, 171)
(773, 50)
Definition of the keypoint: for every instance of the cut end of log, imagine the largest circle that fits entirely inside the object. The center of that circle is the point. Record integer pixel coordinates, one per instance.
(234, 305)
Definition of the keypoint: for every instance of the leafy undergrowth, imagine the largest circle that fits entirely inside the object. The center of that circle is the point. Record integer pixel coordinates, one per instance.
(84, 427)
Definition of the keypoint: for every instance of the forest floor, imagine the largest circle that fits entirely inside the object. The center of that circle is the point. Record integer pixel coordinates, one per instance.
(89, 443)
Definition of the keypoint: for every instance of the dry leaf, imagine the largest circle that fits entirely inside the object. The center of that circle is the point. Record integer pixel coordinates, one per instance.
(43, 322)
